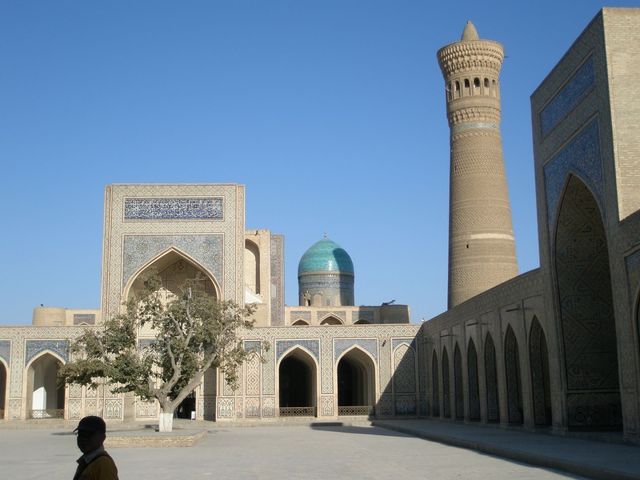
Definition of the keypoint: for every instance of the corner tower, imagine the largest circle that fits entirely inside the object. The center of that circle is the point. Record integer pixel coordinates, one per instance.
(481, 243)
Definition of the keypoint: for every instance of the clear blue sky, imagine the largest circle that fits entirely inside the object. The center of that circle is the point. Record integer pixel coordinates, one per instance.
(330, 112)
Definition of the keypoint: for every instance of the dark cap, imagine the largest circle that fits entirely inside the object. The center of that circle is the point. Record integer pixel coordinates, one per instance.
(91, 424)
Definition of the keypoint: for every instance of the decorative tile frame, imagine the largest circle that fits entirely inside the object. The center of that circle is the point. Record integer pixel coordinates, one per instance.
(573, 92)
(580, 156)
(35, 347)
(277, 280)
(310, 345)
(168, 208)
(138, 250)
(340, 345)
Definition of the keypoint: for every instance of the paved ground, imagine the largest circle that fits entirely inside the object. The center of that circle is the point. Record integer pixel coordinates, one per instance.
(271, 452)
(585, 457)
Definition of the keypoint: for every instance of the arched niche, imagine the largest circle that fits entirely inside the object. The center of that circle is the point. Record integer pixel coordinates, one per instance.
(299, 323)
(173, 268)
(356, 383)
(331, 320)
(586, 312)
(514, 384)
(209, 393)
(297, 373)
(457, 383)
(472, 376)
(252, 266)
(446, 389)
(491, 376)
(435, 392)
(3, 388)
(539, 358)
(362, 322)
(45, 396)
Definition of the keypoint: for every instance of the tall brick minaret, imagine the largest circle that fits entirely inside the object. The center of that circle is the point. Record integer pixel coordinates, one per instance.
(481, 244)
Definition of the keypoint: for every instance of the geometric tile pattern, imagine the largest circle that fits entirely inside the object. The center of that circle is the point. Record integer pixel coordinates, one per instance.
(139, 249)
(277, 280)
(404, 372)
(586, 303)
(34, 347)
(574, 91)
(580, 156)
(205, 208)
(284, 345)
(343, 344)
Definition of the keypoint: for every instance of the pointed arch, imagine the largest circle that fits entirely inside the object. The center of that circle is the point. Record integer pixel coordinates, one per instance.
(163, 261)
(435, 387)
(491, 376)
(539, 358)
(252, 266)
(299, 323)
(587, 320)
(457, 382)
(45, 396)
(297, 382)
(4, 390)
(446, 390)
(331, 320)
(514, 385)
(356, 382)
(473, 386)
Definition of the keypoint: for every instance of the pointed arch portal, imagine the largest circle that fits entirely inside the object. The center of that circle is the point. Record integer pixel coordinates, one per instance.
(3, 389)
(356, 383)
(491, 375)
(539, 358)
(45, 397)
(514, 385)
(586, 310)
(297, 384)
(173, 268)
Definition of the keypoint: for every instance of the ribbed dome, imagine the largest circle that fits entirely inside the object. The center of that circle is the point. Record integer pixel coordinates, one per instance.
(325, 256)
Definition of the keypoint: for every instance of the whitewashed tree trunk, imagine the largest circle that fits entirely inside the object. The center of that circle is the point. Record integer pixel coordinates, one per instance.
(166, 422)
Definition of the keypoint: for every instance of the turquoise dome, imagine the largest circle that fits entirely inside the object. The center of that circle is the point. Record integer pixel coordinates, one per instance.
(325, 256)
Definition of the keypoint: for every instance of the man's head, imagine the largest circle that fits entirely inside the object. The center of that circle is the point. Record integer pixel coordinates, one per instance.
(91, 433)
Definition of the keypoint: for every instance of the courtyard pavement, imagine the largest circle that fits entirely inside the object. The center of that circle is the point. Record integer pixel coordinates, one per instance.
(594, 459)
(267, 452)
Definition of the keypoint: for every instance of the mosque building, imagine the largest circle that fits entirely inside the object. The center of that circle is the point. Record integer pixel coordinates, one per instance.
(555, 349)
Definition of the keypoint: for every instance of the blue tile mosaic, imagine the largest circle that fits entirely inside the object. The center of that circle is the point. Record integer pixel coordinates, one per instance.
(35, 347)
(140, 249)
(189, 208)
(86, 318)
(341, 345)
(252, 346)
(5, 350)
(325, 256)
(396, 342)
(311, 345)
(566, 99)
(582, 157)
(277, 280)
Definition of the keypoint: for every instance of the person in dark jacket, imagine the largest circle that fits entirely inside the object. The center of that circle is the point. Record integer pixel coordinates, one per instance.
(95, 463)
